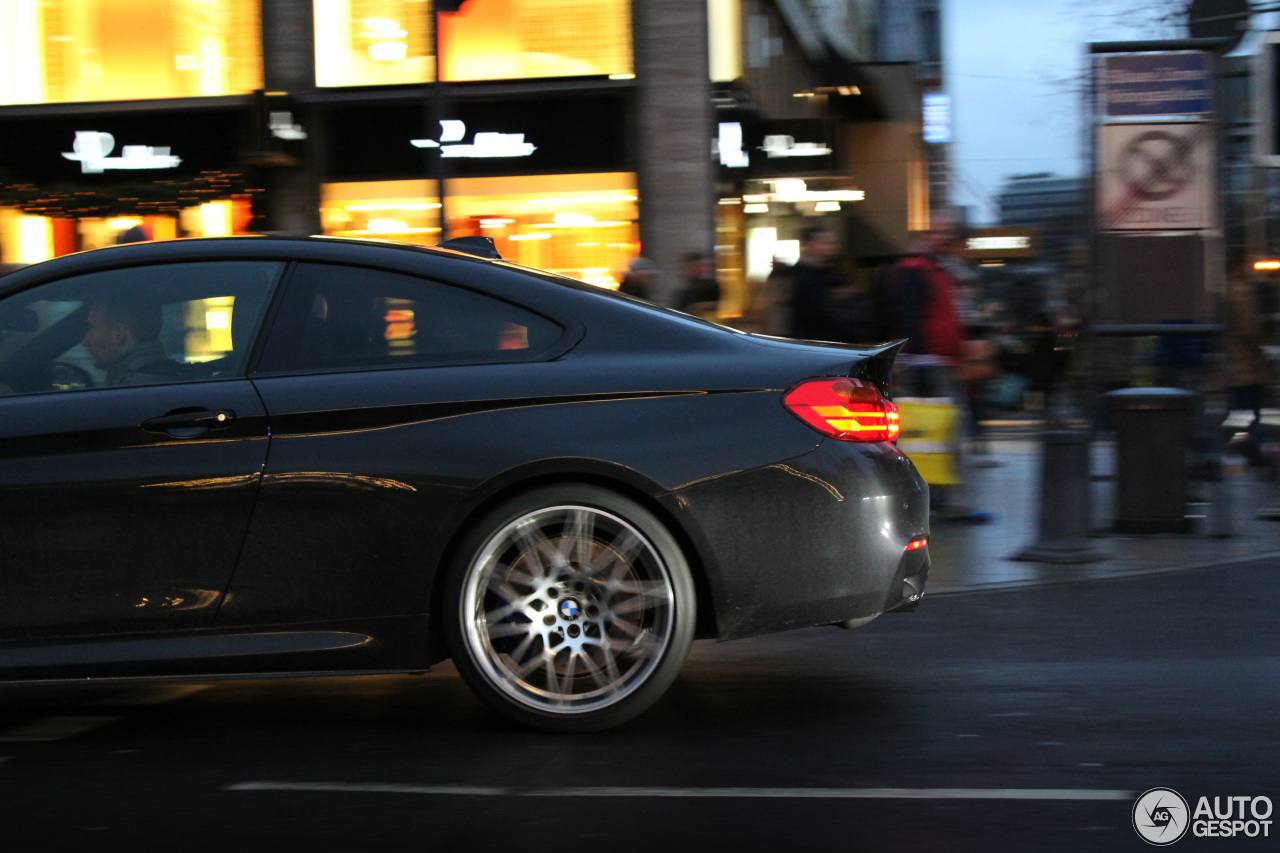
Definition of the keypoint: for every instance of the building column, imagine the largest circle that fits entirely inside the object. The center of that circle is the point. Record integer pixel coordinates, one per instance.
(288, 65)
(674, 130)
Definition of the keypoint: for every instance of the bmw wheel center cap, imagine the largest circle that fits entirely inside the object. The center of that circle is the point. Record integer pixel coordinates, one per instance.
(569, 609)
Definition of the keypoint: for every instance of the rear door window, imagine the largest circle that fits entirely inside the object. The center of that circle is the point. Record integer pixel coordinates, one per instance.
(337, 317)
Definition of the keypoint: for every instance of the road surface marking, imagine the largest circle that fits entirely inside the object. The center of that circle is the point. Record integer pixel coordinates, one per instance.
(153, 694)
(698, 793)
(54, 728)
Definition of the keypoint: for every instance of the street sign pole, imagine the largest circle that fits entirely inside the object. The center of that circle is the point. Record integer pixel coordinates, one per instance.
(1159, 225)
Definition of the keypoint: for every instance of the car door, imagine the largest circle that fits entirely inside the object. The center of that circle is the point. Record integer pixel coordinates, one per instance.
(125, 492)
(359, 374)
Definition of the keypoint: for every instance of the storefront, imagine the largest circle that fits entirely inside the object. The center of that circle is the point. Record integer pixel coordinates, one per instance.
(779, 176)
(140, 115)
(80, 181)
(550, 180)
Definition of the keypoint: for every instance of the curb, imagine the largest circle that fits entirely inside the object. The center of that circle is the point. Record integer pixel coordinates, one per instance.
(1122, 574)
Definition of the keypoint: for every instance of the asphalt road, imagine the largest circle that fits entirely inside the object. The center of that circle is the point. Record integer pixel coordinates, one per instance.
(1011, 720)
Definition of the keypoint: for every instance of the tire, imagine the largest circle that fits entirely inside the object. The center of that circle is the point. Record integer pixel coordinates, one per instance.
(569, 609)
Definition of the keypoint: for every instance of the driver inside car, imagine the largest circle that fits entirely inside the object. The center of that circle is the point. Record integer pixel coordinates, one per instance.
(123, 338)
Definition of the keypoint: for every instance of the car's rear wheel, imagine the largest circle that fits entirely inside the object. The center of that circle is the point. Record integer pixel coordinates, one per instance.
(570, 608)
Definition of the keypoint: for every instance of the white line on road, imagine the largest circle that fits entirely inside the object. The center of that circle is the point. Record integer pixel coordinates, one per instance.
(53, 728)
(1040, 794)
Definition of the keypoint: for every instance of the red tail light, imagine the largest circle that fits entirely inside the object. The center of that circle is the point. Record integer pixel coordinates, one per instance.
(847, 409)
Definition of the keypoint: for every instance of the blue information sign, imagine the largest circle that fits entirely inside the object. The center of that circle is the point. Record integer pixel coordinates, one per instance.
(1156, 84)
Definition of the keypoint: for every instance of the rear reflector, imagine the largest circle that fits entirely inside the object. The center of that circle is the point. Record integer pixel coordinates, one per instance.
(847, 409)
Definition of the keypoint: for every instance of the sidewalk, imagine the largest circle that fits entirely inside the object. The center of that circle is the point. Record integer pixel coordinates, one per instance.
(967, 556)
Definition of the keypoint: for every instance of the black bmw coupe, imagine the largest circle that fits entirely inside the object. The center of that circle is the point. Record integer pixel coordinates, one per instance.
(272, 456)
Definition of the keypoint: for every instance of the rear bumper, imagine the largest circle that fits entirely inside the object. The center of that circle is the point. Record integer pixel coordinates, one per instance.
(815, 540)
(908, 587)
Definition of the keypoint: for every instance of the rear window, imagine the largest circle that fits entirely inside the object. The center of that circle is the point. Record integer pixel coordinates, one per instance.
(338, 317)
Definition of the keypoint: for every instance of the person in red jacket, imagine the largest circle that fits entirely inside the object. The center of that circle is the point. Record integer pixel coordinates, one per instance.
(918, 303)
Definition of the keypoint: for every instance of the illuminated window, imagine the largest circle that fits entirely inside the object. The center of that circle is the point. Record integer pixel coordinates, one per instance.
(724, 39)
(383, 42)
(582, 226)
(55, 51)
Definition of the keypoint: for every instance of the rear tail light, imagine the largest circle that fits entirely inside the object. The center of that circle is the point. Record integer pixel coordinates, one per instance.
(916, 544)
(847, 409)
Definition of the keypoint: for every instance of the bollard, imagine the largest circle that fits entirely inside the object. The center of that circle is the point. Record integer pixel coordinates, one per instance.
(1222, 521)
(1064, 502)
(1271, 452)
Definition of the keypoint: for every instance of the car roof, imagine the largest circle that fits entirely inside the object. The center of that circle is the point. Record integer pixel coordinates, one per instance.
(534, 287)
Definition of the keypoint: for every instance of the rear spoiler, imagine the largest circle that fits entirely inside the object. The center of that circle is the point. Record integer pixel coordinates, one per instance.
(877, 365)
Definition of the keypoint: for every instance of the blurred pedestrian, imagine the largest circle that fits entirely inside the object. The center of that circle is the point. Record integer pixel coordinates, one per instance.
(1248, 371)
(979, 366)
(777, 292)
(700, 294)
(917, 302)
(822, 307)
(641, 279)
(133, 234)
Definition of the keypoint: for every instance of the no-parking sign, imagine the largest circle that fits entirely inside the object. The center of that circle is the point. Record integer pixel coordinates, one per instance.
(1156, 177)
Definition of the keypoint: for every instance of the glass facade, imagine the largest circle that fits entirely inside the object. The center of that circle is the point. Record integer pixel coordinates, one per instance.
(383, 42)
(55, 51)
(28, 239)
(582, 226)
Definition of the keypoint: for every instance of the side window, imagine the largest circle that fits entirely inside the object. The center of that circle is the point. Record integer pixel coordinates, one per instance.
(339, 317)
(143, 325)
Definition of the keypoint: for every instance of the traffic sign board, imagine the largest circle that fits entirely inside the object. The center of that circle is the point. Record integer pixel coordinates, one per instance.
(1156, 177)
(1156, 84)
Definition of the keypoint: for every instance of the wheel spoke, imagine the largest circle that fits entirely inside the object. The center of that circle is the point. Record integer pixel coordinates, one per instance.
(645, 595)
(512, 602)
(553, 682)
(644, 649)
(631, 629)
(540, 555)
(524, 670)
(567, 680)
(581, 535)
(499, 614)
(611, 668)
(622, 554)
(598, 675)
(512, 576)
(517, 654)
(501, 631)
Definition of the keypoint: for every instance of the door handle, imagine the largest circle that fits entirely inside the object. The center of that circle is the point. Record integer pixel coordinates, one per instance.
(190, 423)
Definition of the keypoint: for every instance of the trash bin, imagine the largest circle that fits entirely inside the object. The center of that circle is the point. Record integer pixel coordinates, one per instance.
(1153, 435)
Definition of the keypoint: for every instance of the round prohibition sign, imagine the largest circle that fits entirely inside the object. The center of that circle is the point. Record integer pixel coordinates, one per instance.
(1156, 165)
